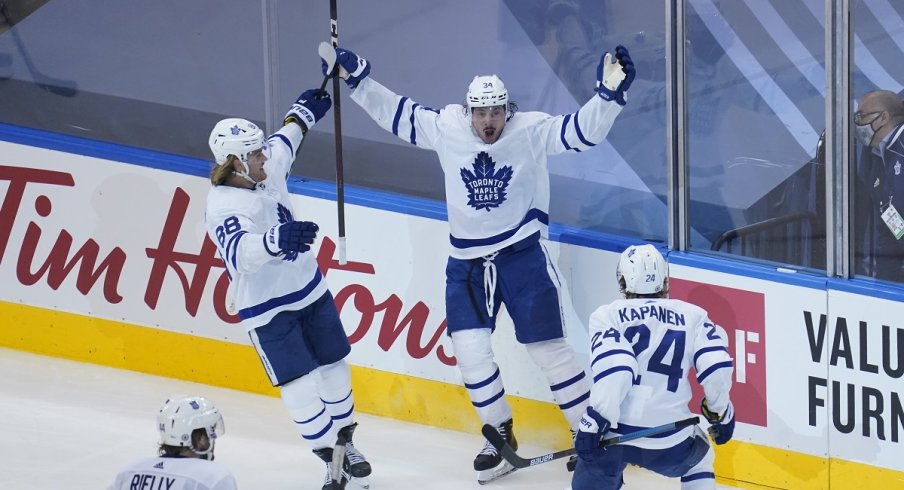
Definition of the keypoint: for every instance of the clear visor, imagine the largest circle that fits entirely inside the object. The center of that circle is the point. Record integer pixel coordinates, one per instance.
(213, 432)
(255, 153)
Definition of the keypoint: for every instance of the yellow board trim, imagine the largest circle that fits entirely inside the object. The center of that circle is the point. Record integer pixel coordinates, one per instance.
(220, 363)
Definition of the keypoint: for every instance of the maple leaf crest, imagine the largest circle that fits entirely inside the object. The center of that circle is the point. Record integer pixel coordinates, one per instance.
(486, 186)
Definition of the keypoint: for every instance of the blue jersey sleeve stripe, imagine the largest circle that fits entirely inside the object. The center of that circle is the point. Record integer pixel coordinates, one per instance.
(264, 241)
(562, 133)
(398, 116)
(489, 401)
(413, 137)
(613, 371)
(712, 369)
(577, 129)
(565, 384)
(284, 140)
(707, 350)
(612, 352)
(232, 247)
(481, 384)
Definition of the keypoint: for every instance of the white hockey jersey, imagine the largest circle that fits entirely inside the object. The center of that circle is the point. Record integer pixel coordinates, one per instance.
(496, 194)
(174, 474)
(237, 220)
(642, 350)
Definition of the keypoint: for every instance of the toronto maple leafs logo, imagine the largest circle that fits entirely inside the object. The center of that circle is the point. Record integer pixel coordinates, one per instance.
(235, 130)
(285, 216)
(486, 185)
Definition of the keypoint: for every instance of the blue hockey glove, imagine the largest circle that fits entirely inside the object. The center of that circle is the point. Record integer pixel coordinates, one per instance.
(353, 68)
(295, 236)
(587, 441)
(309, 108)
(721, 426)
(614, 75)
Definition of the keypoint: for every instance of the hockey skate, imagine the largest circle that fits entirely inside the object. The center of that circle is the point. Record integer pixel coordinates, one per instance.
(326, 455)
(358, 467)
(489, 463)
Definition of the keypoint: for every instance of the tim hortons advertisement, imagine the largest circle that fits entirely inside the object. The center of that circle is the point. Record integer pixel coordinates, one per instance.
(127, 243)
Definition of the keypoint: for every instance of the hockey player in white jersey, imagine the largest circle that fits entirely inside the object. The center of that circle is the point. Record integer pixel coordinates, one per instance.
(279, 293)
(642, 349)
(189, 427)
(497, 193)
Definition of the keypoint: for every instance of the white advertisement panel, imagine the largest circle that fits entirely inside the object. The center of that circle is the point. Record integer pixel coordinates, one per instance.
(769, 328)
(862, 341)
(127, 243)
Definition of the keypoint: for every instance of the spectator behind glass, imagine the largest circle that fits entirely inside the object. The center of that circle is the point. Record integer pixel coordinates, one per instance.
(878, 126)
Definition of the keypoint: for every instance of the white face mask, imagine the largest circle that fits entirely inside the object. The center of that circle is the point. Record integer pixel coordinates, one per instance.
(865, 133)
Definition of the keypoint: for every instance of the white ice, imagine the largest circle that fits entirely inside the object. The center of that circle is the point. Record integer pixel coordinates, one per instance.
(73, 425)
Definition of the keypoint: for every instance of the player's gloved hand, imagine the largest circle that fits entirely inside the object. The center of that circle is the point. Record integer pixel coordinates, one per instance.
(721, 426)
(614, 75)
(353, 68)
(295, 236)
(587, 441)
(309, 108)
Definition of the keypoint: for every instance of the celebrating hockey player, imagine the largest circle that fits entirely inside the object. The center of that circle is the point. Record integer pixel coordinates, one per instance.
(189, 427)
(279, 293)
(497, 194)
(642, 349)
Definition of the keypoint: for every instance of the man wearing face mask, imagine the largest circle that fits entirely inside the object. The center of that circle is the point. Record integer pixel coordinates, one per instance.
(879, 124)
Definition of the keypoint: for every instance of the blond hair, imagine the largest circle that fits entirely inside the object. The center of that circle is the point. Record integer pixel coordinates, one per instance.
(219, 173)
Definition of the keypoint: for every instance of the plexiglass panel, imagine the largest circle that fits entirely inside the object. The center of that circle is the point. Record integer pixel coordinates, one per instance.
(756, 82)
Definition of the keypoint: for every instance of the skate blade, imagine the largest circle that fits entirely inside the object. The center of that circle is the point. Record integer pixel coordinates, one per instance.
(487, 476)
(361, 482)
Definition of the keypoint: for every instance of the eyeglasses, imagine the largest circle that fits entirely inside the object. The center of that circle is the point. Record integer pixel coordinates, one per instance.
(858, 116)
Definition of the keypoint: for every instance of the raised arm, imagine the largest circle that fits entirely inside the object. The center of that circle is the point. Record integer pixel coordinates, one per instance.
(589, 126)
(401, 116)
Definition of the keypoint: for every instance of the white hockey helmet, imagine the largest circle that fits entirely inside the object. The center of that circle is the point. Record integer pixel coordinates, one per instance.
(235, 136)
(643, 269)
(183, 414)
(487, 91)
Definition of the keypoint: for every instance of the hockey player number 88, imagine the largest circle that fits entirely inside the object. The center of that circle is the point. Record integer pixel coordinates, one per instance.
(230, 226)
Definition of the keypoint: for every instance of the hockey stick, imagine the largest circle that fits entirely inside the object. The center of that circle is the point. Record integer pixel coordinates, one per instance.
(337, 119)
(518, 462)
(338, 460)
(64, 88)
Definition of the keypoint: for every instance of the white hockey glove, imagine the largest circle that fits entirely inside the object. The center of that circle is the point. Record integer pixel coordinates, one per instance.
(352, 68)
(309, 108)
(614, 76)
